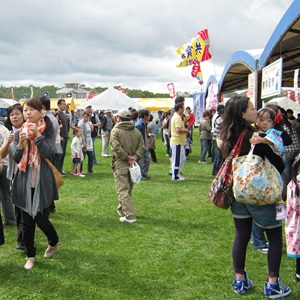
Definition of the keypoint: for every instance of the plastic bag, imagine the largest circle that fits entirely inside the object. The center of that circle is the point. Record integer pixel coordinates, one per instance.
(135, 173)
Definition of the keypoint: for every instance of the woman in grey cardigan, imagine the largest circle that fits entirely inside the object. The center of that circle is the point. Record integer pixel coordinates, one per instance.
(34, 187)
(205, 135)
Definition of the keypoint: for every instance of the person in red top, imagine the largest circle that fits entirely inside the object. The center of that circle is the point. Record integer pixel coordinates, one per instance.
(190, 120)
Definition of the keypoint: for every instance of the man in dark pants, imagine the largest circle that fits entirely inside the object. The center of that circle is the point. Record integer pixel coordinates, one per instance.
(141, 125)
(64, 133)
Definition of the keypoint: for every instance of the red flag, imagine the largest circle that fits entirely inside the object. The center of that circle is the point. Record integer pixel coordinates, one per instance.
(206, 54)
(171, 88)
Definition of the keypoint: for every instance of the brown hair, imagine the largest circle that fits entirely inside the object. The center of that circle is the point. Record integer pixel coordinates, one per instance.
(206, 113)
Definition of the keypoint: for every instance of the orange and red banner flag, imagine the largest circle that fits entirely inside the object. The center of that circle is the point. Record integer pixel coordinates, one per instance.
(195, 50)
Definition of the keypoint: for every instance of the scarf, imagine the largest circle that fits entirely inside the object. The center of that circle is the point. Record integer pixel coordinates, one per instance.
(31, 157)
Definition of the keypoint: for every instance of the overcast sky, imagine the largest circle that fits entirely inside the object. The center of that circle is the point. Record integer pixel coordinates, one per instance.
(133, 42)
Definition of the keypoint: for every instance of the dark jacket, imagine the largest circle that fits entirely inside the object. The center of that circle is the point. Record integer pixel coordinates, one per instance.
(262, 150)
(104, 123)
(48, 187)
(95, 128)
(142, 127)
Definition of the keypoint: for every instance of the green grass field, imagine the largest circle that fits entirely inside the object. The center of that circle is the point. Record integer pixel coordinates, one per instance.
(179, 248)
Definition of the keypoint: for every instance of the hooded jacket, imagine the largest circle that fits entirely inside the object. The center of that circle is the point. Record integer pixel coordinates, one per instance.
(126, 141)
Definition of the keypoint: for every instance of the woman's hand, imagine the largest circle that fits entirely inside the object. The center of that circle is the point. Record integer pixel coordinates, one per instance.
(10, 138)
(34, 128)
(23, 136)
(257, 140)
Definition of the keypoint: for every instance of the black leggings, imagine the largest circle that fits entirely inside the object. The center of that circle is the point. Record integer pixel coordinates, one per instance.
(298, 266)
(243, 234)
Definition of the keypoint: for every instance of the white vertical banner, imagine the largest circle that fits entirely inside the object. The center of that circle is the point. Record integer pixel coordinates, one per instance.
(296, 74)
(212, 97)
(296, 89)
(252, 87)
(198, 106)
(271, 79)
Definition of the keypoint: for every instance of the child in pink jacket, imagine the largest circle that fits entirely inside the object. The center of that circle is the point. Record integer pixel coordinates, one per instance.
(292, 224)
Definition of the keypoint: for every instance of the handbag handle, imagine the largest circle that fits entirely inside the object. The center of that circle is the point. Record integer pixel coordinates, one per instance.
(249, 156)
(237, 147)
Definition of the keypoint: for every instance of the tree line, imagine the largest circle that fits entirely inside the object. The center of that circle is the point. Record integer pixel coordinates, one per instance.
(24, 91)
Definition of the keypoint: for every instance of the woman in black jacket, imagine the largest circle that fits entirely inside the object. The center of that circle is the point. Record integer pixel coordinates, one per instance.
(240, 115)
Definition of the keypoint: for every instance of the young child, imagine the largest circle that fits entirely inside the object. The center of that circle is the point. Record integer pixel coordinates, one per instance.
(276, 138)
(76, 152)
(188, 147)
(292, 223)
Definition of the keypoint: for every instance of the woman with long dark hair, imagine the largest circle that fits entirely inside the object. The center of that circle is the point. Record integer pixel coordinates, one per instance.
(14, 121)
(239, 116)
(34, 187)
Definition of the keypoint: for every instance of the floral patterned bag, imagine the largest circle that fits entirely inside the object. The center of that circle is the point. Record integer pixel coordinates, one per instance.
(220, 191)
(255, 181)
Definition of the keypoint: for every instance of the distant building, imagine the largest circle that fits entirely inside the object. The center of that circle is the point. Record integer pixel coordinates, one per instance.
(71, 90)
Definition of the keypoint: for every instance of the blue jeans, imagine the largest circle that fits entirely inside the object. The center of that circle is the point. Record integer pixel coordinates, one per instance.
(258, 237)
(145, 163)
(218, 159)
(288, 159)
(204, 148)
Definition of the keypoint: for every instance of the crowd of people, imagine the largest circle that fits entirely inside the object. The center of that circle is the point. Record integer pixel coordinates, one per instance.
(33, 134)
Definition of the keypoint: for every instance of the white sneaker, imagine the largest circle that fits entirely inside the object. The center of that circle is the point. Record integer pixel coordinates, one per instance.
(79, 175)
(49, 251)
(181, 177)
(281, 211)
(124, 220)
(30, 263)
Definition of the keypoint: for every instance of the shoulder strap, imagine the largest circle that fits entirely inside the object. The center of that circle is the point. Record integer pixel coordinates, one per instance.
(237, 147)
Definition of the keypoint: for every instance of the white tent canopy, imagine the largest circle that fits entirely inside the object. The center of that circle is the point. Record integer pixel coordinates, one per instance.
(5, 103)
(113, 99)
(286, 103)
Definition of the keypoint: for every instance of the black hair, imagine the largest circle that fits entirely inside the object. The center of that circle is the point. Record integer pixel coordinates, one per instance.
(46, 102)
(143, 113)
(179, 99)
(76, 129)
(60, 101)
(7, 122)
(233, 122)
(294, 173)
(178, 106)
(37, 104)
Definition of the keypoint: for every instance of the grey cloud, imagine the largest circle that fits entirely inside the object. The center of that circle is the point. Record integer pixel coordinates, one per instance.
(130, 41)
